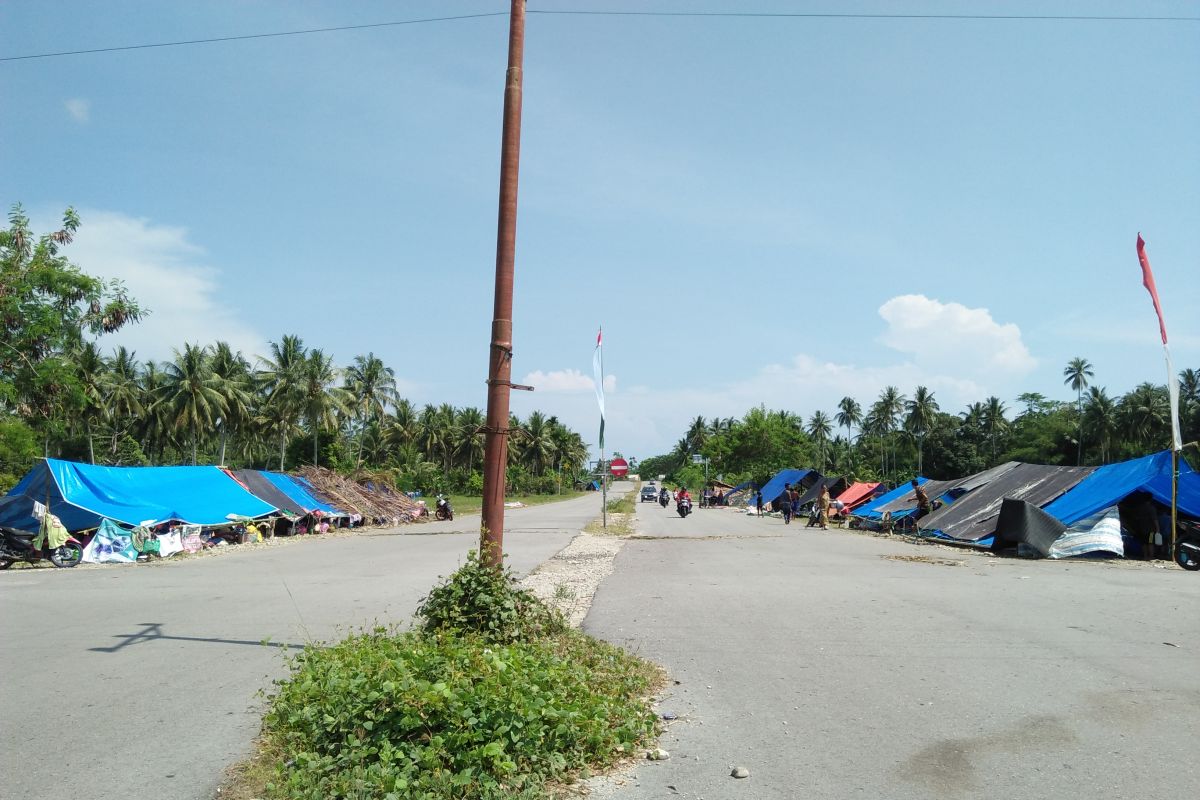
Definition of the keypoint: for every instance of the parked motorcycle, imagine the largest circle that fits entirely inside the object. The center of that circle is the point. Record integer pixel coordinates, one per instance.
(1187, 547)
(443, 511)
(684, 507)
(17, 545)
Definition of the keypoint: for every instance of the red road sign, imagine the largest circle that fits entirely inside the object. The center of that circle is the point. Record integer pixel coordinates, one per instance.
(618, 467)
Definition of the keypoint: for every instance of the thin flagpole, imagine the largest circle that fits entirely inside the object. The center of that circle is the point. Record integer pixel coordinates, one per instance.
(603, 468)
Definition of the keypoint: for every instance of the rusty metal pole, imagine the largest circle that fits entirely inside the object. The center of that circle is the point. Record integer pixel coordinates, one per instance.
(495, 459)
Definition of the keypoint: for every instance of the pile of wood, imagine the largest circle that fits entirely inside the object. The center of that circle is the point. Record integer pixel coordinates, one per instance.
(376, 503)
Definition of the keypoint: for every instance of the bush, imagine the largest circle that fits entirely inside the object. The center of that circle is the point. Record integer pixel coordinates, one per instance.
(481, 600)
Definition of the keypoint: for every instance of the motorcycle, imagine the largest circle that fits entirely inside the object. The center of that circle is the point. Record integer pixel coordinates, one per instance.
(17, 545)
(664, 498)
(1187, 547)
(684, 507)
(443, 511)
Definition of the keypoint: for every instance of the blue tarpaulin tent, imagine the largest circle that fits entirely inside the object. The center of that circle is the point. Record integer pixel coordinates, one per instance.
(774, 487)
(300, 491)
(1111, 484)
(870, 511)
(82, 495)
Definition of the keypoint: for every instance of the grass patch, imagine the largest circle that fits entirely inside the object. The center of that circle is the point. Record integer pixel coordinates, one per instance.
(491, 697)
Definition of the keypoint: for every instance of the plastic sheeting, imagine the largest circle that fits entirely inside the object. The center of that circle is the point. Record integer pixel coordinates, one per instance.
(946, 491)
(1109, 485)
(874, 510)
(1099, 533)
(84, 494)
(259, 484)
(857, 494)
(301, 491)
(774, 487)
(111, 545)
(1023, 523)
(836, 487)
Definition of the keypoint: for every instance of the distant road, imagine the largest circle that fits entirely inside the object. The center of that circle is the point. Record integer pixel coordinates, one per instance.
(142, 681)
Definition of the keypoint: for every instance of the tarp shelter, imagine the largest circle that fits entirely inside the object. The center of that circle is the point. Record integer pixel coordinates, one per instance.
(257, 484)
(874, 510)
(836, 487)
(82, 495)
(741, 487)
(973, 517)
(302, 492)
(1109, 485)
(945, 491)
(857, 494)
(774, 487)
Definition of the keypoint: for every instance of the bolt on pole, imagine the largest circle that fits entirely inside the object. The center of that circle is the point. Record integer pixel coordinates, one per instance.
(491, 535)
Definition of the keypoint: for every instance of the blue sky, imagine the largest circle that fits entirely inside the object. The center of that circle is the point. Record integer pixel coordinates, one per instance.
(778, 211)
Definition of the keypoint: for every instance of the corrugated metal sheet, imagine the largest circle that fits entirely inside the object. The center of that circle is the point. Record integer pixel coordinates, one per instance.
(974, 515)
(935, 489)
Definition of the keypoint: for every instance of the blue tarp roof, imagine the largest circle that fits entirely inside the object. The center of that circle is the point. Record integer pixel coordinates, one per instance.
(869, 511)
(1111, 484)
(300, 491)
(81, 495)
(774, 487)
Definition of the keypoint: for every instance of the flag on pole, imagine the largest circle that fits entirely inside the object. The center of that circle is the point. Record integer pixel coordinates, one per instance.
(1172, 378)
(598, 378)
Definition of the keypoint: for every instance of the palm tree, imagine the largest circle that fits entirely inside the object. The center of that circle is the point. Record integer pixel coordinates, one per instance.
(401, 428)
(889, 406)
(1189, 400)
(320, 400)
(91, 372)
(922, 412)
(234, 383)
(190, 393)
(819, 427)
(849, 414)
(1076, 375)
(538, 449)
(1144, 414)
(1102, 419)
(279, 377)
(155, 427)
(697, 433)
(994, 421)
(469, 424)
(372, 386)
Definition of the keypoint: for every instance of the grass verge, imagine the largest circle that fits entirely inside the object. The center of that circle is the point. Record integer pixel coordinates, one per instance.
(491, 697)
(620, 516)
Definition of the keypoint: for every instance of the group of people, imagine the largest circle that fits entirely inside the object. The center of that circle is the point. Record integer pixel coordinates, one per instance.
(710, 498)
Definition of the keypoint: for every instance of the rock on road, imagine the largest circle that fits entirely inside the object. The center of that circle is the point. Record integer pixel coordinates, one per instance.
(830, 665)
(142, 681)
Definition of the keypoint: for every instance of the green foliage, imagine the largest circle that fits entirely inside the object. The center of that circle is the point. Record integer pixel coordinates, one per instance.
(449, 716)
(18, 449)
(487, 602)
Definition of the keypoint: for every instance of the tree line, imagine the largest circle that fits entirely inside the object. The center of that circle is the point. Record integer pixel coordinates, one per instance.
(62, 396)
(896, 437)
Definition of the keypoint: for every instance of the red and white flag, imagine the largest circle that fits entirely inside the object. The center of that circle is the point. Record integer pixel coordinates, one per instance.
(1172, 378)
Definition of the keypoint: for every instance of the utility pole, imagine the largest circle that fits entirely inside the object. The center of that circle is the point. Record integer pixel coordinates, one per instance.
(491, 534)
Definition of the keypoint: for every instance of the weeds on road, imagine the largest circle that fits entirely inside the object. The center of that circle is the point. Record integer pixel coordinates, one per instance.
(492, 696)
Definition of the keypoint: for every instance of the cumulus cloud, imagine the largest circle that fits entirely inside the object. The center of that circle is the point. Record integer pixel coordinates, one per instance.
(79, 109)
(166, 273)
(932, 332)
(566, 381)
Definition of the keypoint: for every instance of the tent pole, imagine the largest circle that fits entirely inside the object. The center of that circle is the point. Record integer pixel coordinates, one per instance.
(1174, 500)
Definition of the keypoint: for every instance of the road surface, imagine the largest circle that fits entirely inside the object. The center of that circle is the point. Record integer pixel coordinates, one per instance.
(142, 681)
(831, 665)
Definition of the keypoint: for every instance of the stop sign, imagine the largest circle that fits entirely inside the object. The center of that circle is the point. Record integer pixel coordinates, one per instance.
(618, 467)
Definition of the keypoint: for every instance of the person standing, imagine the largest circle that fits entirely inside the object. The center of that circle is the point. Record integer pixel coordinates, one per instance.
(758, 501)
(785, 503)
(795, 495)
(824, 502)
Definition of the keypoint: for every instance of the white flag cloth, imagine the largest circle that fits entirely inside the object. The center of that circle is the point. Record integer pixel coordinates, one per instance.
(598, 379)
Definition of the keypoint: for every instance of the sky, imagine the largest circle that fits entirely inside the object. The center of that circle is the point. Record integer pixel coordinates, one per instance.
(758, 210)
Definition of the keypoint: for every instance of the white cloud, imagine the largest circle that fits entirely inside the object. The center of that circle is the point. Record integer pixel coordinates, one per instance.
(932, 332)
(566, 381)
(164, 272)
(79, 109)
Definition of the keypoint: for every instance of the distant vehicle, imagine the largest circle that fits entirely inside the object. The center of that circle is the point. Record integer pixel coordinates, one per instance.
(649, 493)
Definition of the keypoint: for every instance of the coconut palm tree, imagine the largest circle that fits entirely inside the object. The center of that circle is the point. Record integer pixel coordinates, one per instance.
(849, 414)
(91, 373)
(372, 386)
(154, 428)
(235, 384)
(280, 380)
(1189, 401)
(320, 399)
(1144, 413)
(819, 427)
(994, 421)
(888, 407)
(1076, 375)
(538, 445)
(922, 412)
(470, 436)
(190, 394)
(1102, 419)
(401, 427)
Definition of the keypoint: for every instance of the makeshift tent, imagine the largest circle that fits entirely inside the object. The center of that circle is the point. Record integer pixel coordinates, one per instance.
(111, 544)
(774, 487)
(735, 495)
(945, 491)
(257, 484)
(874, 509)
(82, 495)
(1099, 533)
(1021, 523)
(301, 492)
(1109, 485)
(857, 494)
(973, 517)
(836, 487)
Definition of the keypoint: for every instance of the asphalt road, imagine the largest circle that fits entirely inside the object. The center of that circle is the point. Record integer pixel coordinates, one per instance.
(832, 666)
(143, 681)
